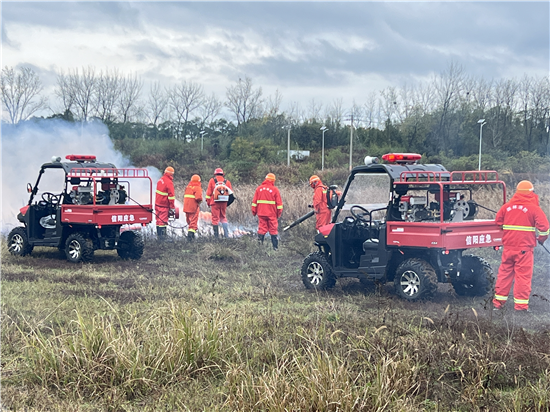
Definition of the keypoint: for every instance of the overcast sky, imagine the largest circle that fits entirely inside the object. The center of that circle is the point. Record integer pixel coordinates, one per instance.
(306, 50)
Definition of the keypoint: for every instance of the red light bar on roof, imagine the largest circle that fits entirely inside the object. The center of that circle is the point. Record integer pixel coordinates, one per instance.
(401, 157)
(81, 158)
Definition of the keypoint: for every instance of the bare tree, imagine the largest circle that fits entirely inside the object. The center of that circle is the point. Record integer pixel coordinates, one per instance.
(314, 110)
(372, 111)
(448, 86)
(244, 101)
(65, 92)
(156, 103)
(21, 93)
(185, 98)
(210, 109)
(129, 94)
(108, 92)
(82, 89)
(295, 113)
(273, 104)
(335, 111)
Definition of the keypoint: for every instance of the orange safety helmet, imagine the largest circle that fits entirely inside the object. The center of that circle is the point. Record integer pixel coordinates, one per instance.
(195, 178)
(270, 176)
(313, 180)
(169, 170)
(525, 186)
(218, 171)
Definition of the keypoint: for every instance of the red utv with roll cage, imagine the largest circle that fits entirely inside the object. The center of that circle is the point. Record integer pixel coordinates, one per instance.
(417, 238)
(93, 210)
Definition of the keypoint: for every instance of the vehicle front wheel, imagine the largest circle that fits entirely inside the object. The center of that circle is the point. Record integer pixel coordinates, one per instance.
(79, 248)
(316, 272)
(18, 242)
(415, 279)
(476, 277)
(130, 245)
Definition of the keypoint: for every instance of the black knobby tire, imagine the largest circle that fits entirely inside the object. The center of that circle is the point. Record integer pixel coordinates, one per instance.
(18, 242)
(79, 248)
(130, 245)
(415, 279)
(316, 272)
(476, 277)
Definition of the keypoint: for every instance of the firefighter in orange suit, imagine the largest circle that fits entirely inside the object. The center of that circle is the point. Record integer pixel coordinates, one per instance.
(268, 206)
(320, 207)
(520, 218)
(218, 207)
(164, 201)
(192, 199)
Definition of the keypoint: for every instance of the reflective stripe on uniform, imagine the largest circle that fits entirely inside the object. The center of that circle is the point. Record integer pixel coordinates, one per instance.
(208, 197)
(545, 233)
(280, 207)
(190, 196)
(267, 202)
(254, 205)
(171, 197)
(192, 230)
(499, 297)
(162, 193)
(521, 301)
(519, 228)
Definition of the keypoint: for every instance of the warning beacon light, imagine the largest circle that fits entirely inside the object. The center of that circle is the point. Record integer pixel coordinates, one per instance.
(81, 158)
(402, 158)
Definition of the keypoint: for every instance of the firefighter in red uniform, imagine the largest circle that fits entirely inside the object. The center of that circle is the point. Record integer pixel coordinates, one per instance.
(268, 206)
(320, 207)
(520, 218)
(164, 201)
(192, 199)
(217, 203)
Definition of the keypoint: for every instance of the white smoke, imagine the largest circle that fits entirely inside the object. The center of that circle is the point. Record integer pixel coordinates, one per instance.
(26, 146)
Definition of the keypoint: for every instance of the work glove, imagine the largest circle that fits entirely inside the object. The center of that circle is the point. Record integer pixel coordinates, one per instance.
(172, 212)
(254, 213)
(541, 240)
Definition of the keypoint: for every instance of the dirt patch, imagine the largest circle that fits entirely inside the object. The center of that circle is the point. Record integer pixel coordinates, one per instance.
(19, 276)
(118, 296)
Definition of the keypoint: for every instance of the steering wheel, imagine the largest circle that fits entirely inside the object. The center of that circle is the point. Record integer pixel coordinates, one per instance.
(360, 214)
(50, 198)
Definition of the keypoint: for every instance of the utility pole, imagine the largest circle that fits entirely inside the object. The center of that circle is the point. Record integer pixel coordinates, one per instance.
(351, 143)
(288, 148)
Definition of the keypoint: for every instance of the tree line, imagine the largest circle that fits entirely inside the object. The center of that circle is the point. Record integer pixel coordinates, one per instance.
(438, 118)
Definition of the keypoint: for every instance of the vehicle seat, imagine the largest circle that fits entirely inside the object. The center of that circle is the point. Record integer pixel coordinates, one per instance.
(370, 244)
(48, 222)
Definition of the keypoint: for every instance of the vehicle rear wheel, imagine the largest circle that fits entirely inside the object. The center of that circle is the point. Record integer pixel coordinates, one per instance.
(79, 248)
(415, 279)
(476, 277)
(130, 245)
(316, 272)
(18, 242)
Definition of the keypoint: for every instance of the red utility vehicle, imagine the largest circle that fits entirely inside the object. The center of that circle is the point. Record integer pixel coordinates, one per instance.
(93, 210)
(409, 224)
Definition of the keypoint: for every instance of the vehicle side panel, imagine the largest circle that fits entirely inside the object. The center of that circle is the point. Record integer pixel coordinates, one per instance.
(106, 215)
(452, 235)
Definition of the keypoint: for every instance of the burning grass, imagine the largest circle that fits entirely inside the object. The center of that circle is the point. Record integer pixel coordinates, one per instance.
(227, 325)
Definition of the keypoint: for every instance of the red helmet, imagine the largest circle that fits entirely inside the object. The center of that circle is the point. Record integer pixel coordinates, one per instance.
(218, 171)
(313, 180)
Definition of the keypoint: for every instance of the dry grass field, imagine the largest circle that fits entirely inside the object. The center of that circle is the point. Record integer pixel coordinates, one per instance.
(228, 326)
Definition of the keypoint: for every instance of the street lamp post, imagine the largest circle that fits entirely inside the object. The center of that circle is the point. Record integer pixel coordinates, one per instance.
(323, 129)
(202, 138)
(481, 122)
(288, 147)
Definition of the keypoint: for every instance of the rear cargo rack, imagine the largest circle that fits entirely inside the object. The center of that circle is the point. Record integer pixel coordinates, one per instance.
(108, 172)
(457, 177)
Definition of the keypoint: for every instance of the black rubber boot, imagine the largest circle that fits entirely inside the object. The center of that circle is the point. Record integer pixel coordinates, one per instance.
(161, 233)
(275, 242)
(190, 235)
(261, 238)
(216, 231)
